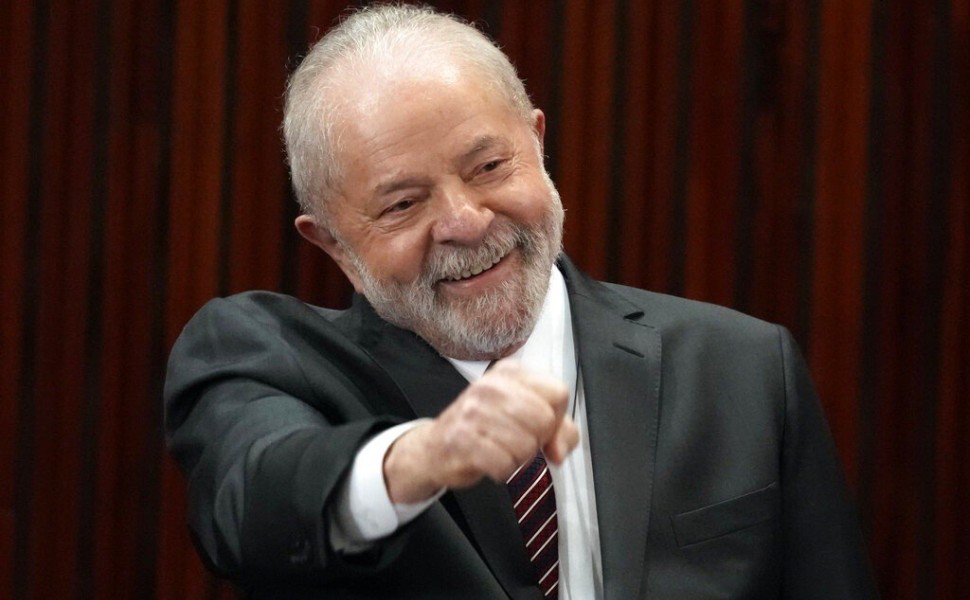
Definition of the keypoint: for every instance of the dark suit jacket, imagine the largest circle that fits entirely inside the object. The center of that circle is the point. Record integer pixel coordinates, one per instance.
(715, 474)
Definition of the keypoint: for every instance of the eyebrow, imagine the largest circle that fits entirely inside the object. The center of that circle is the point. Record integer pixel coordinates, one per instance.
(482, 143)
(395, 185)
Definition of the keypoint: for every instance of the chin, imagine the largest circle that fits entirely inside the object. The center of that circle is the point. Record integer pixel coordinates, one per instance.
(483, 329)
(476, 345)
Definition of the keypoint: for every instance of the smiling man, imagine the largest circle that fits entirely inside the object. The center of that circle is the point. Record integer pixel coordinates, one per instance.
(621, 444)
(445, 219)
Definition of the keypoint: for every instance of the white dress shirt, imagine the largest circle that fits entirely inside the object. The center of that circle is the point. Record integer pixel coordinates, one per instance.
(364, 512)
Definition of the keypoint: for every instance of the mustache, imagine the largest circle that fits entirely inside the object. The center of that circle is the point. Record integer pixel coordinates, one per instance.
(446, 263)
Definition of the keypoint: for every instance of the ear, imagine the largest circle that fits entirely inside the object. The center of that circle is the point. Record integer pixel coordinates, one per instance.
(539, 127)
(321, 237)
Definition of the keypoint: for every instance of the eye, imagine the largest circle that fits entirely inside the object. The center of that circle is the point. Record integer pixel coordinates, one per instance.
(399, 206)
(499, 165)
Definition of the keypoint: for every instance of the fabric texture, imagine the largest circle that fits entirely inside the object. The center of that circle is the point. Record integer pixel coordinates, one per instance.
(534, 501)
(714, 471)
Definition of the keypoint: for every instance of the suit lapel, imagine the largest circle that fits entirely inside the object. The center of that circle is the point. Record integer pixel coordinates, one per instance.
(620, 363)
(429, 384)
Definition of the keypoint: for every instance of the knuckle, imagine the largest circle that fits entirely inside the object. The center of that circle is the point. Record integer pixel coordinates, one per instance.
(547, 419)
(560, 393)
(488, 389)
(456, 437)
(473, 409)
(470, 409)
(481, 465)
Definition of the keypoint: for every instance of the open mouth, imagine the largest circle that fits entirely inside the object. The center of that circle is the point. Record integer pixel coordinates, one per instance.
(475, 271)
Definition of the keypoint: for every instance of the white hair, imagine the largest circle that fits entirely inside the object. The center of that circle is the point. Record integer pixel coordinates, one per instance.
(381, 36)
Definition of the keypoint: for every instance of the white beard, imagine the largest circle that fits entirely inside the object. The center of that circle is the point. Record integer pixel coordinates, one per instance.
(487, 326)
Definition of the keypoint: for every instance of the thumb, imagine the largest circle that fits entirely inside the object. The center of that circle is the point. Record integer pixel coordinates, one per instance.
(563, 441)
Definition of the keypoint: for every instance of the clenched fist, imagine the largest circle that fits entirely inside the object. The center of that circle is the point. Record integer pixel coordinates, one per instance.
(495, 425)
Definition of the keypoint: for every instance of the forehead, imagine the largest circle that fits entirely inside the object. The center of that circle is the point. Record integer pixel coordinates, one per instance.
(392, 119)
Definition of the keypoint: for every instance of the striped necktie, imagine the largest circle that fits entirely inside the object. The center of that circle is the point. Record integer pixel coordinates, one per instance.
(535, 508)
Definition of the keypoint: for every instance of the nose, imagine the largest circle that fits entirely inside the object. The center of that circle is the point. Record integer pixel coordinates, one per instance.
(462, 217)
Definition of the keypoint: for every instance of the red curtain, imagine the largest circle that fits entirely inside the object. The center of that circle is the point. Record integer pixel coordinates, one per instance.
(804, 161)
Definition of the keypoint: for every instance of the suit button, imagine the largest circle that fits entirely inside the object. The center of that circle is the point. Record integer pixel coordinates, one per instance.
(300, 552)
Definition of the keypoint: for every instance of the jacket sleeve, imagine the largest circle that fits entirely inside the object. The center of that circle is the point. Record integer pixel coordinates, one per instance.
(825, 555)
(264, 423)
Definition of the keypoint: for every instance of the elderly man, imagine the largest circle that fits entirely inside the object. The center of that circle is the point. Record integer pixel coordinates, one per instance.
(623, 445)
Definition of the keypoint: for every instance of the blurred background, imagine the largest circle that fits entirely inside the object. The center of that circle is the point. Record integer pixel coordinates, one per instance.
(806, 161)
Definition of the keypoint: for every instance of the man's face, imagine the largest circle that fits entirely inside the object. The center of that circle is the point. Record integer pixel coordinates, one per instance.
(446, 220)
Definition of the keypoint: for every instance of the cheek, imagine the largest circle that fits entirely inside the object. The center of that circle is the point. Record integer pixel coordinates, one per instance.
(529, 201)
(396, 257)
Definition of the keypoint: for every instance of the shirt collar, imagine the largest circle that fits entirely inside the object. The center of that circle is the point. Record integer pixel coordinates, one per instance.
(546, 350)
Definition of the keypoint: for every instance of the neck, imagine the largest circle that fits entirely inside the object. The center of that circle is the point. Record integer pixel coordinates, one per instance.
(492, 356)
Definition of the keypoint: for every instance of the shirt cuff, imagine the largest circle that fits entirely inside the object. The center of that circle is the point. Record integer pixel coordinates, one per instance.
(363, 512)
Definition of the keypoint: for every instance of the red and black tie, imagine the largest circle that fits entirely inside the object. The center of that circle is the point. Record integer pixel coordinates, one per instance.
(535, 508)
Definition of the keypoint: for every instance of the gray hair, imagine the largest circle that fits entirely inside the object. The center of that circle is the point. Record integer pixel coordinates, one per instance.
(369, 38)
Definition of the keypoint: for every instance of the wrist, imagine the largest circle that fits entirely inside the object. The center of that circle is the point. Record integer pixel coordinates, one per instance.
(407, 472)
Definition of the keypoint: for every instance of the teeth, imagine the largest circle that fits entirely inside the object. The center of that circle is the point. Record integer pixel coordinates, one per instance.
(477, 270)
